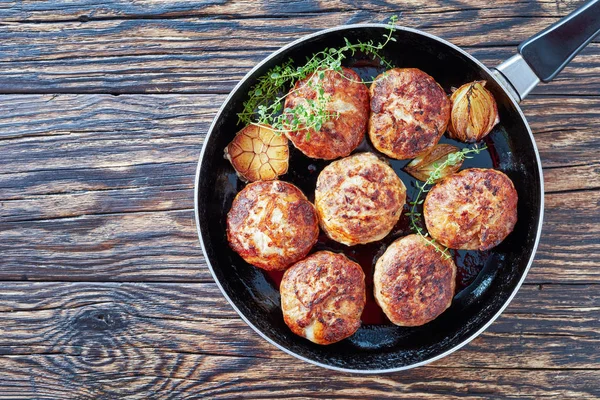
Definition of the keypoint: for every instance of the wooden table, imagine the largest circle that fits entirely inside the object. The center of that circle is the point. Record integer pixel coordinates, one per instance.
(104, 292)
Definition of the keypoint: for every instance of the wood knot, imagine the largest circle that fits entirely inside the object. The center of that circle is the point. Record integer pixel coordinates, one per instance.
(99, 320)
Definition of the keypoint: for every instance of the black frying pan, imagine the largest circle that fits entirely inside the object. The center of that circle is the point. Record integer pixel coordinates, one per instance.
(487, 281)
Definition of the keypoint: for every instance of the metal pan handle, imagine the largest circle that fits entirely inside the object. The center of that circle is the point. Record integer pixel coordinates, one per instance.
(543, 56)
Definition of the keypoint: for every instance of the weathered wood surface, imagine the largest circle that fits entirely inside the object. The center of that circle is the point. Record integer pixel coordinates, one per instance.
(200, 47)
(96, 198)
(65, 10)
(182, 340)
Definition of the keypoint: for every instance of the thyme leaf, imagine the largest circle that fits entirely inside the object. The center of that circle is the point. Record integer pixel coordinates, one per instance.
(265, 103)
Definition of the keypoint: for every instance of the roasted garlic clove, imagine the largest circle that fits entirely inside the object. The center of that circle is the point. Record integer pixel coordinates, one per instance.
(474, 112)
(423, 166)
(258, 153)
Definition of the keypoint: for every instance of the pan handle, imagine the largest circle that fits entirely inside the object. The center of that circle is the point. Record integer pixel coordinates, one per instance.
(543, 56)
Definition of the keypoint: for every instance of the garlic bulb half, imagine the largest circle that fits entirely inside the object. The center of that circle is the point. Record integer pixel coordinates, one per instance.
(258, 154)
(474, 112)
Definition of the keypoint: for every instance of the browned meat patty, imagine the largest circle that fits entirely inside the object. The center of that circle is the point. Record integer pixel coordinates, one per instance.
(474, 209)
(349, 97)
(271, 224)
(359, 199)
(409, 112)
(323, 296)
(413, 282)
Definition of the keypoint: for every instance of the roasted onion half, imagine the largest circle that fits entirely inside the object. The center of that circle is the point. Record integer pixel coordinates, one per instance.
(474, 112)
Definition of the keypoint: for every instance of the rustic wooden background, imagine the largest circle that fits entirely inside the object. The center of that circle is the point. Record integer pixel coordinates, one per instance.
(104, 292)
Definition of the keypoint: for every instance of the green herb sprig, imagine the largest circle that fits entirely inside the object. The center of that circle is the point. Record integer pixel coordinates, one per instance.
(436, 174)
(265, 102)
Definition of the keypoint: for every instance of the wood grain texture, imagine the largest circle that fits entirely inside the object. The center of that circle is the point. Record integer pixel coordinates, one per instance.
(163, 50)
(169, 340)
(172, 376)
(64, 10)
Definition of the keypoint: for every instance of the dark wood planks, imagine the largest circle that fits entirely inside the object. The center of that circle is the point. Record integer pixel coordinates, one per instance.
(211, 53)
(564, 130)
(147, 340)
(100, 187)
(189, 376)
(80, 131)
(64, 10)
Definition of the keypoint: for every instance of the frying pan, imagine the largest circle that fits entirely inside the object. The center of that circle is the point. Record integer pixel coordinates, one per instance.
(489, 280)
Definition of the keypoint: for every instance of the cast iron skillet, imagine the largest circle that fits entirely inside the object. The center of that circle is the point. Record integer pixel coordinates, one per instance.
(487, 280)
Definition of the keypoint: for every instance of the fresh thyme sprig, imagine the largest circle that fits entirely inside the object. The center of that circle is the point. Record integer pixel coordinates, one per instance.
(265, 103)
(436, 174)
(310, 114)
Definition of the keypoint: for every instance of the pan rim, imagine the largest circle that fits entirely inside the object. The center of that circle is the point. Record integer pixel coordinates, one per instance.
(514, 291)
